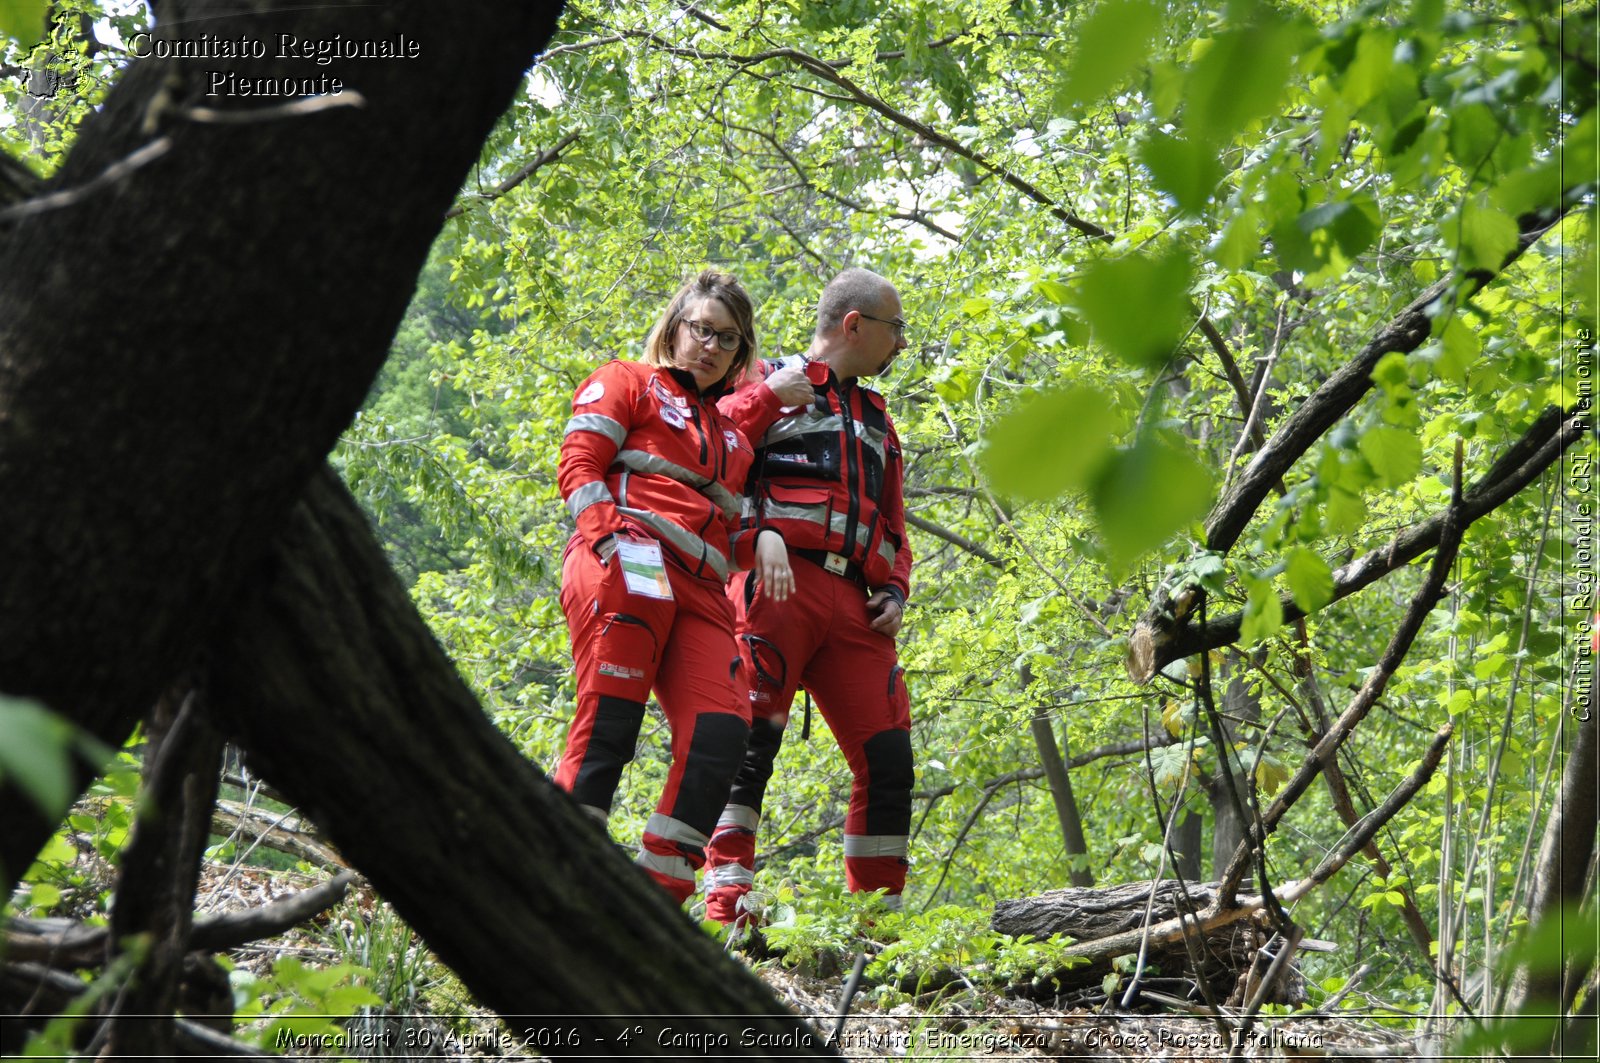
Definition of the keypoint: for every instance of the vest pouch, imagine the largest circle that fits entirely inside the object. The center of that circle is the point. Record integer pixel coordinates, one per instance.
(803, 514)
(877, 560)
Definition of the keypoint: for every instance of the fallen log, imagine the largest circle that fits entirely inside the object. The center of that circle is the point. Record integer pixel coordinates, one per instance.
(1226, 944)
(284, 832)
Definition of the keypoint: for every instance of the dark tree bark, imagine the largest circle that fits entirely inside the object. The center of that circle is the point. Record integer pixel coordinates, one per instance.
(188, 318)
(1566, 856)
(181, 342)
(325, 674)
(1164, 635)
(160, 866)
(1055, 773)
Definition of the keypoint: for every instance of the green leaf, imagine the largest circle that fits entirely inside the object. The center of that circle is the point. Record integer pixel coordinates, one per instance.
(1055, 442)
(1147, 493)
(1054, 291)
(1263, 613)
(1186, 171)
(1394, 454)
(1240, 78)
(1310, 579)
(1482, 235)
(1239, 241)
(1331, 234)
(1368, 72)
(1459, 347)
(1112, 41)
(36, 750)
(1138, 305)
(1473, 133)
(1530, 189)
(24, 21)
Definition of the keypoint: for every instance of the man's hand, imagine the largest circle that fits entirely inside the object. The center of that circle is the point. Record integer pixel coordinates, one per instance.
(772, 566)
(791, 386)
(884, 608)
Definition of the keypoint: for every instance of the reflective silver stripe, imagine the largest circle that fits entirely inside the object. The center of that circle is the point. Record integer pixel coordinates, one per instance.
(674, 830)
(872, 438)
(686, 541)
(739, 816)
(597, 813)
(886, 552)
(791, 511)
(894, 902)
(875, 845)
(645, 462)
(598, 423)
(802, 424)
(729, 875)
(747, 507)
(589, 494)
(670, 866)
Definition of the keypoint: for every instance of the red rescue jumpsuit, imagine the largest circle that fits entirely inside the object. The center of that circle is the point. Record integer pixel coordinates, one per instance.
(829, 478)
(646, 455)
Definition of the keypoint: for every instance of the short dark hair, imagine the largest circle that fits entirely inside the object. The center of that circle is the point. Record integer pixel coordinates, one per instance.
(854, 289)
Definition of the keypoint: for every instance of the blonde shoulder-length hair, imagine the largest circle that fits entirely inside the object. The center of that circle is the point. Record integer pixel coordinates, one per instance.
(725, 289)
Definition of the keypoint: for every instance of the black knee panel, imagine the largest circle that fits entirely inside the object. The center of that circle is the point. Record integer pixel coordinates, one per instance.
(889, 777)
(750, 784)
(715, 752)
(611, 742)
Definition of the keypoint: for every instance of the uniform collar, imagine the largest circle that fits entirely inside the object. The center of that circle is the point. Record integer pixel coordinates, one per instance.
(685, 380)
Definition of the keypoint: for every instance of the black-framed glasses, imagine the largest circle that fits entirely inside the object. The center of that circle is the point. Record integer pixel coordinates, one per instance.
(728, 341)
(898, 324)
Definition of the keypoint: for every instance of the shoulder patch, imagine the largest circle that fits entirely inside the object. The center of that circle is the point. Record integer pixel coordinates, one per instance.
(590, 394)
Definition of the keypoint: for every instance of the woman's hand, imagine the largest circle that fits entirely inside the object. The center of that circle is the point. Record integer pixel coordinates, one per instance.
(791, 386)
(772, 566)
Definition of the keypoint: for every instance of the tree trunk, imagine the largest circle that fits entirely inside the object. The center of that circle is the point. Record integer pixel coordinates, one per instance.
(1055, 773)
(183, 334)
(182, 341)
(1091, 915)
(328, 679)
(1565, 855)
(1227, 828)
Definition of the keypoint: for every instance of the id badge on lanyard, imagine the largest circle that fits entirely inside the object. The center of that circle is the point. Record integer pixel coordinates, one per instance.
(643, 568)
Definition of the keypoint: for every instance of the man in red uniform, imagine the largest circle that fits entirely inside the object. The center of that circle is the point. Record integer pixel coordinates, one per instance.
(828, 477)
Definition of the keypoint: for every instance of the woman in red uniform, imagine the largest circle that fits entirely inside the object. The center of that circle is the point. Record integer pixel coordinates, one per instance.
(654, 474)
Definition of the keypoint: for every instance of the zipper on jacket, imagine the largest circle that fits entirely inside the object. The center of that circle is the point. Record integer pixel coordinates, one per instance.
(852, 468)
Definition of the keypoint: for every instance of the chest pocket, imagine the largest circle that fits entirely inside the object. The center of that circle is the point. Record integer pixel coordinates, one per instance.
(804, 445)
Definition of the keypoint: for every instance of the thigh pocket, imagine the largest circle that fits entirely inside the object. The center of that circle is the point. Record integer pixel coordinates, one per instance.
(626, 655)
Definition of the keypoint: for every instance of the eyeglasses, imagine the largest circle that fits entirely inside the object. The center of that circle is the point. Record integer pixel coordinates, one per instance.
(898, 324)
(728, 341)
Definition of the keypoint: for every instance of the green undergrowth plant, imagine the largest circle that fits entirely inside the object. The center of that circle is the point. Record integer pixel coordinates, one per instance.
(296, 1006)
(404, 976)
(914, 953)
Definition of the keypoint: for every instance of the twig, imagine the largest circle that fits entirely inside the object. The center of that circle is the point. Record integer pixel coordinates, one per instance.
(110, 175)
(293, 109)
(544, 159)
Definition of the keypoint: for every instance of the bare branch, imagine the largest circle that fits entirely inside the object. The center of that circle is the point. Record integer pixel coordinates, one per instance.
(521, 175)
(1422, 604)
(953, 538)
(1404, 333)
(1158, 641)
